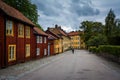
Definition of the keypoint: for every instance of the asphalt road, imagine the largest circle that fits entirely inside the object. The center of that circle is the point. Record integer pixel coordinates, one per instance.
(78, 66)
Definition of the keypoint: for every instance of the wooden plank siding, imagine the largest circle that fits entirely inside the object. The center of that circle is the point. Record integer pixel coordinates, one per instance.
(11, 44)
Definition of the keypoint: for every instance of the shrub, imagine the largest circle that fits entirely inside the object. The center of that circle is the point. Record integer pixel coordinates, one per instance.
(93, 49)
(110, 49)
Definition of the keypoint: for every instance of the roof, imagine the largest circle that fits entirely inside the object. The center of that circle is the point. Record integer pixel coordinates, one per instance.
(74, 33)
(51, 37)
(39, 31)
(12, 12)
(53, 34)
(57, 30)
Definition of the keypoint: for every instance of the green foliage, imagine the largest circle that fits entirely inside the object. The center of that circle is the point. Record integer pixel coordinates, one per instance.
(97, 40)
(96, 34)
(91, 32)
(112, 29)
(106, 49)
(94, 49)
(110, 49)
(109, 23)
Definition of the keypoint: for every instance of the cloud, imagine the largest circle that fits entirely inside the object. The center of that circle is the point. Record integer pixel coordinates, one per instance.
(83, 8)
(70, 13)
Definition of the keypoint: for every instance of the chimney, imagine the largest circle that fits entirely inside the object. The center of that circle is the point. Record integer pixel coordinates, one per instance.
(56, 26)
(48, 28)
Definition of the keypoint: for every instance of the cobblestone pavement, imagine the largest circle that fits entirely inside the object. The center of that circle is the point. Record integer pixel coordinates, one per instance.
(18, 70)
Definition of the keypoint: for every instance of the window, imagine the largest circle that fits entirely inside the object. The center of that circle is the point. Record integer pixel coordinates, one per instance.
(44, 39)
(9, 27)
(37, 39)
(27, 32)
(38, 51)
(40, 39)
(20, 30)
(27, 50)
(11, 52)
(45, 52)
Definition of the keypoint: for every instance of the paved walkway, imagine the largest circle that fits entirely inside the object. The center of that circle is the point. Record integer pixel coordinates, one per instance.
(67, 66)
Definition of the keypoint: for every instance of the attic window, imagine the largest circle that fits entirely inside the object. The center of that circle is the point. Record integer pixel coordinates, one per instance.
(9, 28)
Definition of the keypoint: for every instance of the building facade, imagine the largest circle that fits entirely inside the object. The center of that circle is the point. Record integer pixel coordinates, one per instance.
(42, 43)
(64, 41)
(16, 32)
(76, 40)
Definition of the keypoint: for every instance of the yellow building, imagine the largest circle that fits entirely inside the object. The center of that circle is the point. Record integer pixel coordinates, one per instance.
(66, 43)
(76, 41)
(57, 42)
(64, 39)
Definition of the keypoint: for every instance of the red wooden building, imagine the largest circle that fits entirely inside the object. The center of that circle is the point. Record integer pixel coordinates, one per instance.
(41, 43)
(17, 41)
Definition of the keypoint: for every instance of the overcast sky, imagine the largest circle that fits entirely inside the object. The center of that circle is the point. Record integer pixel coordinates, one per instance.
(70, 13)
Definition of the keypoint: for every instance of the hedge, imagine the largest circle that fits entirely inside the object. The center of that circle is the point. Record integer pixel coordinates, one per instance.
(93, 49)
(108, 51)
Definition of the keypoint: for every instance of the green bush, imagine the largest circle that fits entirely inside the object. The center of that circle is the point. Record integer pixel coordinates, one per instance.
(110, 49)
(94, 49)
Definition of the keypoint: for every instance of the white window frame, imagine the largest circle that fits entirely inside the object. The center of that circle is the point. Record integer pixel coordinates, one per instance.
(40, 39)
(37, 39)
(38, 51)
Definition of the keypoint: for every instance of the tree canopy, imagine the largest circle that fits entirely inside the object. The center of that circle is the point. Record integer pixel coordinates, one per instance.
(95, 33)
(91, 29)
(112, 28)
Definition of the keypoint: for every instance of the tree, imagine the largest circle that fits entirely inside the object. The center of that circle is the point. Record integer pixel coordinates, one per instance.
(25, 7)
(109, 23)
(91, 29)
(97, 40)
(112, 28)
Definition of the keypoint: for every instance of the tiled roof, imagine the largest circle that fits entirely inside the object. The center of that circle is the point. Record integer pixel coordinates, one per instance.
(39, 31)
(58, 31)
(73, 33)
(53, 34)
(51, 37)
(12, 12)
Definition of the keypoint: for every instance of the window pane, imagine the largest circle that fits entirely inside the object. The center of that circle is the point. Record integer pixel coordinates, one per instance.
(38, 51)
(27, 32)
(27, 50)
(20, 30)
(11, 52)
(9, 27)
(37, 39)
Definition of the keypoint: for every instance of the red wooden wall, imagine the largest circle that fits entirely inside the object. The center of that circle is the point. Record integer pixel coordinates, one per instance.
(2, 41)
